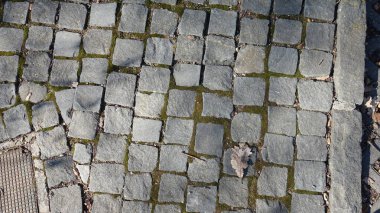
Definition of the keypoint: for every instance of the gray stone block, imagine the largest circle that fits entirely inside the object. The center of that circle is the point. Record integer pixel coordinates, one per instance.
(59, 170)
(315, 63)
(282, 120)
(222, 22)
(181, 103)
(65, 100)
(111, 148)
(250, 59)
(44, 11)
(82, 153)
(83, 125)
(67, 199)
(134, 1)
(196, 1)
(133, 18)
(278, 149)
(16, 121)
(149, 105)
(32, 91)
(272, 182)
(249, 91)
(117, 120)
(309, 91)
(84, 172)
(217, 106)
(159, 51)
(103, 15)
(11, 39)
(319, 9)
(254, 31)
(67, 44)
(205, 170)
(72, 16)
(107, 178)
(146, 130)
(256, 6)
(64, 72)
(8, 67)
(287, 7)
(52, 143)
(7, 95)
(170, 2)
(311, 148)
(36, 67)
(209, 139)
(219, 51)
(160, 208)
(307, 203)
(312, 123)
(15, 12)
(224, 2)
(163, 22)
(310, 176)
(287, 31)
(106, 203)
(96, 41)
(265, 206)
(187, 75)
(128, 53)
(320, 36)
(172, 158)
(137, 186)
(39, 38)
(178, 131)
(154, 79)
(172, 188)
(233, 192)
(44, 115)
(192, 22)
(142, 158)
(189, 49)
(246, 128)
(120, 89)
(136, 206)
(282, 91)
(88, 98)
(201, 199)
(217, 78)
(249, 171)
(3, 133)
(94, 70)
(283, 60)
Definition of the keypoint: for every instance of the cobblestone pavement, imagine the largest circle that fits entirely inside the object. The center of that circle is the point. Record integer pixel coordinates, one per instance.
(135, 106)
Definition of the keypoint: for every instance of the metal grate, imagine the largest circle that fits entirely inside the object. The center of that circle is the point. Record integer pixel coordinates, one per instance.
(17, 189)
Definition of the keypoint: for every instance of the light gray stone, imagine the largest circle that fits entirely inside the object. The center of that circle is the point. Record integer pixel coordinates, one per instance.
(172, 188)
(172, 158)
(227, 166)
(44, 11)
(315, 63)
(250, 59)
(65, 101)
(209, 139)
(82, 153)
(11, 39)
(249, 91)
(88, 98)
(9, 67)
(134, 1)
(204, 170)
(83, 125)
(106, 203)
(15, 12)
(42, 194)
(181, 103)
(59, 170)
(310, 175)
(103, 14)
(159, 51)
(246, 128)
(154, 79)
(256, 6)
(94, 70)
(7, 95)
(222, 22)
(307, 203)
(201, 199)
(320, 36)
(72, 16)
(216, 106)
(3, 133)
(128, 53)
(311, 148)
(163, 22)
(283, 60)
(136, 206)
(36, 67)
(107, 178)
(44, 115)
(142, 158)
(282, 90)
(224, 2)
(146, 130)
(120, 89)
(178, 131)
(217, 78)
(233, 191)
(319, 9)
(117, 120)
(67, 199)
(189, 49)
(37, 92)
(170, 2)
(137, 186)
(219, 51)
(39, 38)
(187, 75)
(267, 206)
(312, 123)
(272, 182)
(287, 7)
(133, 18)
(309, 91)
(192, 22)
(282, 120)
(111, 148)
(149, 105)
(160, 208)
(287, 31)
(64, 72)
(278, 149)
(52, 143)
(16, 121)
(84, 172)
(97, 41)
(67, 44)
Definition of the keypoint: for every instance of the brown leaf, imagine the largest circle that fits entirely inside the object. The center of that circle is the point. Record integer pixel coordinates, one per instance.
(239, 159)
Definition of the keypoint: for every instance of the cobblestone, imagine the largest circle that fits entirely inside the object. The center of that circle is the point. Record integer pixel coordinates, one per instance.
(120, 89)
(236, 186)
(117, 120)
(10, 39)
(310, 203)
(217, 78)
(256, 6)
(103, 15)
(312, 123)
(219, 51)
(172, 188)
(282, 91)
(315, 63)
(246, 128)
(287, 31)
(278, 149)
(96, 41)
(270, 206)
(36, 67)
(82, 153)
(70, 195)
(163, 22)
(325, 38)
(34, 92)
(67, 44)
(133, 18)
(249, 91)
(310, 175)
(59, 170)
(209, 139)
(181, 103)
(178, 131)
(172, 158)
(15, 12)
(39, 38)
(128, 53)
(192, 23)
(146, 130)
(272, 181)
(105, 202)
(189, 49)
(94, 70)
(159, 51)
(308, 91)
(250, 59)
(44, 115)
(9, 66)
(154, 79)
(283, 60)
(107, 178)
(142, 158)
(44, 11)
(83, 125)
(72, 16)
(7, 95)
(52, 143)
(16, 121)
(187, 75)
(137, 186)
(216, 106)
(88, 98)
(205, 170)
(201, 199)
(282, 120)
(111, 148)
(311, 148)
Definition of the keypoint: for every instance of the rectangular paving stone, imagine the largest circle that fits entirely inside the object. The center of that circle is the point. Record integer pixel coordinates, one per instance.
(189, 49)
(120, 89)
(38, 92)
(36, 67)
(106, 203)
(111, 148)
(278, 149)
(287, 7)
(15, 12)
(163, 22)
(311, 148)
(320, 36)
(44, 115)
(209, 139)
(233, 192)
(137, 186)
(187, 75)
(142, 158)
(249, 91)
(250, 59)
(154, 79)
(181, 103)
(222, 22)
(310, 176)
(246, 128)
(52, 143)
(133, 18)
(256, 6)
(67, 44)
(266, 205)
(309, 91)
(312, 123)
(192, 22)
(282, 120)
(159, 51)
(107, 178)
(161, 208)
(71, 195)
(8, 67)
(128, 53)
(319, 9)
(65, 101)
(282, 90)
(307, 203)
(16, 121)
(224, 2)
(172, 188)
(178, 131)
(146, 130)
(204, 170)
(82, 153)
(254, 31)
(72, 16)
(117, 120)
(201, 199)
(216, 106)
(88, 98)
(94, 70)
(97, 41)
(219, 51)
(272, 181)
(134, 1)
(136, 206)
(172, 158)
(287, 31)
(11, 39)
(39, 38)
(103, 14)
(83, 125)
(315, 63)
(59, 170)
(217, 78)
(149, 105)
(44, 11)
(84, 172)
(283, 60)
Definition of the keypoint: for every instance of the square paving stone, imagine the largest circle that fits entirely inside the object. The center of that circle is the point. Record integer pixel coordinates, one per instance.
(187, 75)
(44, 115)
(72, 16)
(160, 208)
(282, 120)
(181, 103)
(233, 192)
(201, 199)
(66, 199)
(287, 31)
(249, 91)
(120, 89)
(65, 101)
(246, 128)
(39, 38)
(267, 206)
(227, 166)
(256, 6)
(159, 51)
(52, 143)
(307, 203)
(9, 68)
(209, 139)
(83, 125)
(133, 18)
(254, 31)
(15, 12)
(154, 79)
(278, 149)
(96, 41)
(142, 158)
(146, 130)
(283, 60)
(282, 91)
(272, 182)
(64, 72)
(250, 59)
(315, 63)
(103, 15)
(36, 67)
(224, 2)
(67, 44)
(117, 120)
(320, 36)
(94, 70)
(178, 131)
(136, 206)
(59, 170)
(311, 148)
(287, 7)
(189, 49)
(310, 176)
(172, 158)
(7, 95)
(217, 78)
(163, 22)
(128, 53)
(312, 123)
(107, 178)
(32, 92)
(222, 22)
(192, 22)
(106, 203)
(320, 9)
(111, 148)
(204, 170)
(16, 121)
(219, 51)
(88, 98)
(149, 105)
(172, 188)
(44, 11)
(309, 91)
(11, 39)
(137, 186)
(217, 106)
(82, 153)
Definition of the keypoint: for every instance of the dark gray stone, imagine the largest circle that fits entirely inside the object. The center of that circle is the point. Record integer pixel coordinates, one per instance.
(146, 130)
(137, 186)
(103, 15)
(36, 67)
(133, 18)
(96, 41)
(67, 44)
(272, 181)
(83, 125)
(44, 11)
(94, 70)
(163, 22)
(233, 192)
(178, 131)
(160, 208)
(282, 120)
(278, 149)
(67, 199)
(111, 148)
(287, 31)
(8, 67)
(249, 91)
(254, 31)
(136, 206)
(287, 7)
(159, 51)
(59, 170)
(250, 59)
(15, 12)
(65, 101)
(7, 95)
(11, 39)
(310, 176)
(209, 139)
(128, 53)
(320, 36)
(192, 22)
(256, 6)
(32, 91)
(88, 98)
(44, 115)
(315, 63)
(319, 9)
(307, 203)
(267, 206)
(72, 16)
(189, 49)
(120, 89)
(219, 51)
(246, 128)
(217, 78)
(205, 170)
(312, 123)
(172, 158)
(227, 167)
(311, 148)
(172, 188)
(142, 158)
(170, 2)
(309, 91)
(52, 143)
(283, 60)
(282, 90)
(39, 38)
(106, 203)
(201, 199)
(224, 2)
(187, 75)
(117, 120)
(217, 106)
(16, 121)
(222, 22)
(154, 79)
(181, 103)
(82, 153)
(107, 178)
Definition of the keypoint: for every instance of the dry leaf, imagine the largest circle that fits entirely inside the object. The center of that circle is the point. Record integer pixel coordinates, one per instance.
(28, 96)
(239, 159)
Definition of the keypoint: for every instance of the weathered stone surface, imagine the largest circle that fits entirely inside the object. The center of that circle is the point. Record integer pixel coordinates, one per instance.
(170, 2)
(250, 59)
(159, 51)
(189, 49)
(43, 199)
(120, 89)
(209, 139)
(128, 53)
(201, 199)
(181, 103)
(96, 41)
(311, 148)
(134, 1)
(137, 186)
(67, 44)
(187, 75)
(15, 12)
(39, 38)
(36, 67)
(307, 203)
(172, 158)
(142, 158)
(64, 72)
(160, 208)
(8, 67)
(37, 92)
(282, 120)
(149, 105)
(44, 115)
(272, 181)
(44, 11)
(310, 175)
(256, 6)
(312, 123)
(283, 60)
(67, 199)
(216, 106)
(219, 51)
(7, 95)
(103, 15)
(320, 36)
(233, 191)
(192, 22)
(222, 22)
(217, 78)
(146, 130)
(249, 91)
(16, 121)
(315, 63)
(249, 171)
(324, 10)
(11, 39)
(154, 79)
(65, 100)
(172, 188)
(94, 70)
(59, 170)
(136, 206)
(106, 203)
(82, 153)
(88, 98)
(287, 7)
(224, 2)
(287, 31)
(52, 143)
(83, 125)
(111, 148)
(107, 178)
(205, 170)
(178, 131)
(246, 128)
(163, 22)
(72, 16)
(278, 149)
(117, 120)
(3, 133)
(84, 172)
(133, 18)
(267, 206)
(309, 91)
(282, 90)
